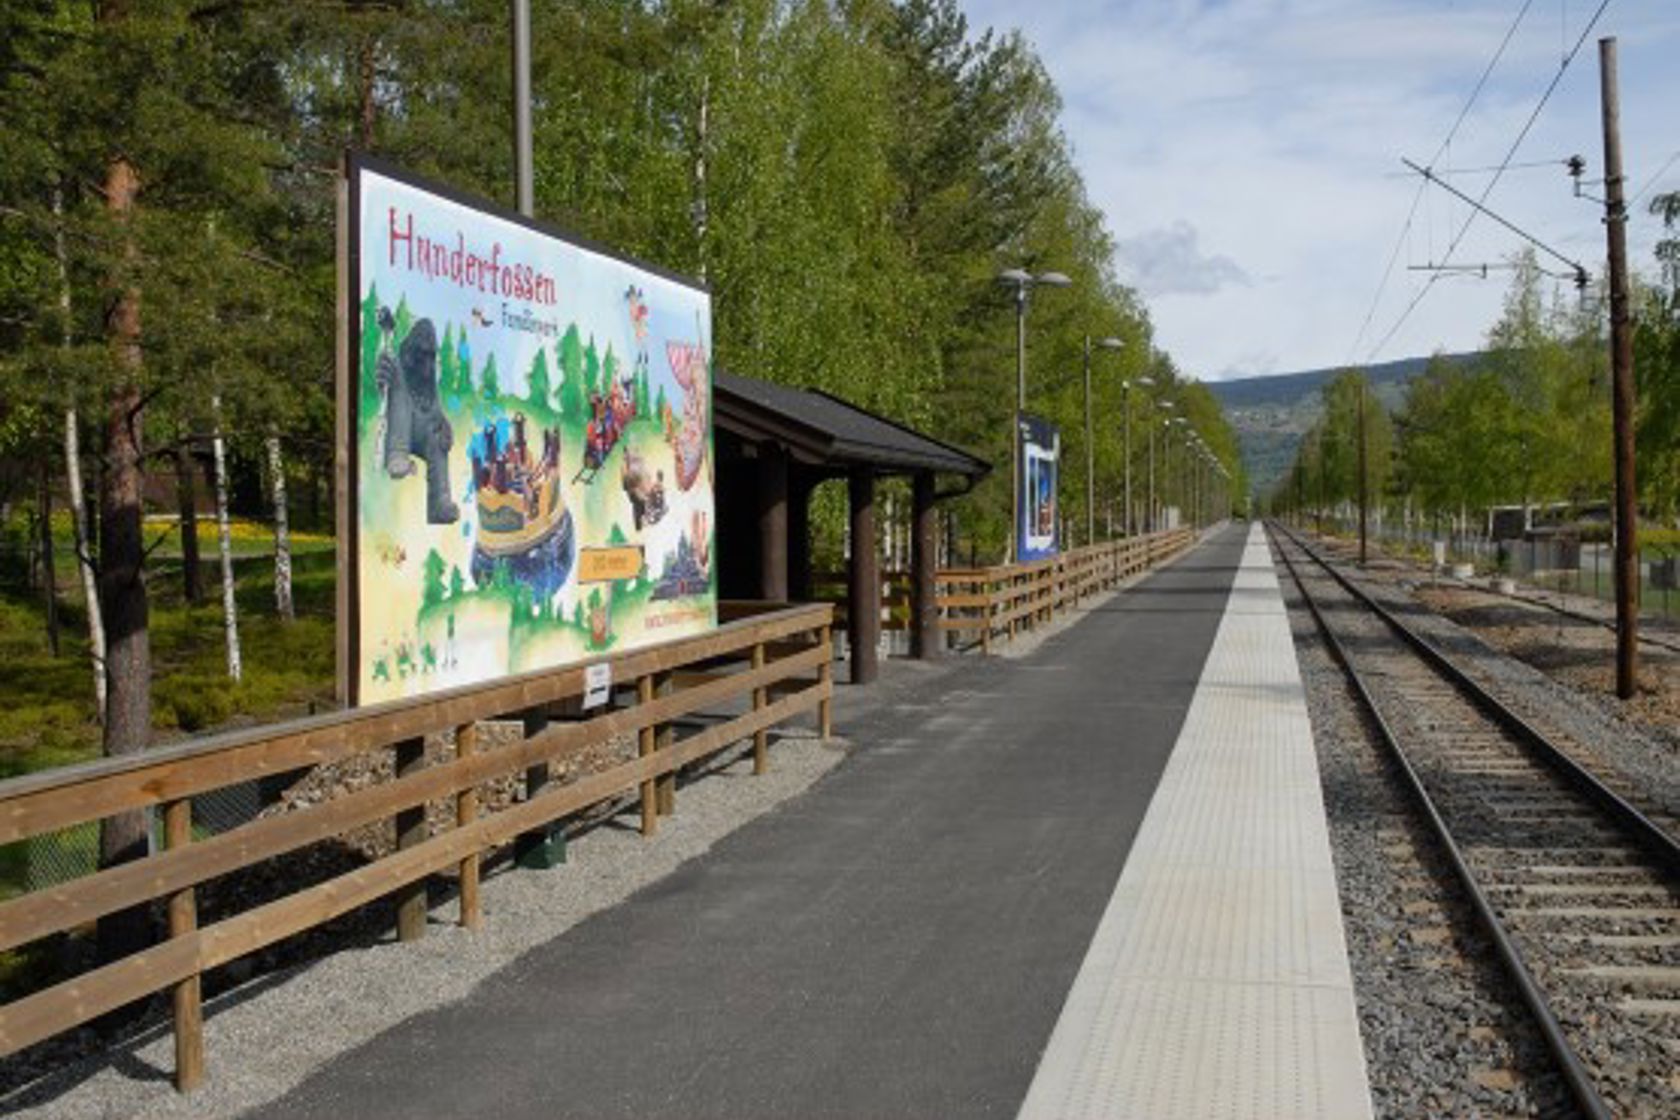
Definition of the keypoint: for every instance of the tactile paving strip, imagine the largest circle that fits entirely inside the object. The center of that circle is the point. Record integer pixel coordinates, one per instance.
(1217, 984)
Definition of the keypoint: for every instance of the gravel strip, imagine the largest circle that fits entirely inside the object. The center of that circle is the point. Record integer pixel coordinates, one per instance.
(264, 1038)
(1442, 1034)
(1634, 748)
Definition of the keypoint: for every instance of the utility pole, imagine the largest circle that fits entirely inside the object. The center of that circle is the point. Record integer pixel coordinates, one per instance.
(1621, 368)
(1362, 496)
(524, 178)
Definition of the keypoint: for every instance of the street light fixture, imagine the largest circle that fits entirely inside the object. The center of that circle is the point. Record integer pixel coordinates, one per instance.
(1023, 281)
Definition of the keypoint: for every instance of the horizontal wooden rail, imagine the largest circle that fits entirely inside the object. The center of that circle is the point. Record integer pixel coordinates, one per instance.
(782, 660)
(1009, 598)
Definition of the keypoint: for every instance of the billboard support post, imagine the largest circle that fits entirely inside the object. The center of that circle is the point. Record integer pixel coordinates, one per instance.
(524, 177)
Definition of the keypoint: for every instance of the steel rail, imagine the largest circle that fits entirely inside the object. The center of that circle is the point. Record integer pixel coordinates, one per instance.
(1659, 843)
(1575, 1075)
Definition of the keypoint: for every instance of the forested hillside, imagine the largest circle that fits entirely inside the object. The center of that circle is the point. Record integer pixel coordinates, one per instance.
(1271, 414)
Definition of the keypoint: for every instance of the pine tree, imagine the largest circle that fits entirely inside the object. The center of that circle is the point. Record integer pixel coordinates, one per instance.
(591, 370)
(446, 365)
(368, 390)
(537, 387)
(491, 386)
(573, 397)
(431, 574)
(463, 367)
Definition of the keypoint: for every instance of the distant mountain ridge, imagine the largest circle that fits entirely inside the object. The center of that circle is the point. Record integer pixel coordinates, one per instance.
(1270, 414)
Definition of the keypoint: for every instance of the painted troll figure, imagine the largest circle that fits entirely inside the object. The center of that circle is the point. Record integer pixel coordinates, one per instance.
(413, 415)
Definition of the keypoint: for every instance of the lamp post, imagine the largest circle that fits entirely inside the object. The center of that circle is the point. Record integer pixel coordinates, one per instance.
(1022, 280)
(1090, 445)
(1154, 502)
(1131, 510)
(1181, 472)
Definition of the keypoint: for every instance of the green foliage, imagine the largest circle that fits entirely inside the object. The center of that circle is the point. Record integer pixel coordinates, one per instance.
(447, 376)
(1527, 422)
(591, 371)
(573, 399)
(432, 589)
(847, 178)
(537, 388)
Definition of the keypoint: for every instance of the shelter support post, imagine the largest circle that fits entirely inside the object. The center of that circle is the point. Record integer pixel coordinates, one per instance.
(799, 538)
(924, 628)
(772, 523)
(863, 598)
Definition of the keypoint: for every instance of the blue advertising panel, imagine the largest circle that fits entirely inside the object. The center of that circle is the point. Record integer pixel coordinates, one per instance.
(530, 459)
(1039, 463)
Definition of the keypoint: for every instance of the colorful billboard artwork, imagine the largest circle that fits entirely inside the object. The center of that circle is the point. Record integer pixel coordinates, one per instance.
(531, 445)
(1040, 460)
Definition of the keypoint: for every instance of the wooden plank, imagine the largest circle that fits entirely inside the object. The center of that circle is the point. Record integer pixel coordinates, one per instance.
(49, 800)
(66, 905)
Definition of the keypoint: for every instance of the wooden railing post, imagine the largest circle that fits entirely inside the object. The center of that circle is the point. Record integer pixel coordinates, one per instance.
(761, 696)
(825, 674)
(411, 830)
(536, 849)
(644, 747)
(187, 996)
(664, 736)
(466, 812)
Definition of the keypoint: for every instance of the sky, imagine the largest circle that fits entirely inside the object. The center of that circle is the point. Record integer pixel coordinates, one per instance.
(1247, 157)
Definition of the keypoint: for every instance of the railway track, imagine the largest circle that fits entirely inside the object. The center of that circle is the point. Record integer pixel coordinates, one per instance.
(1576, 890)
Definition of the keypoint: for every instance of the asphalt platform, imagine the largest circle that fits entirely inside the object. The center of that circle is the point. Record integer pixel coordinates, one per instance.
(897, 941)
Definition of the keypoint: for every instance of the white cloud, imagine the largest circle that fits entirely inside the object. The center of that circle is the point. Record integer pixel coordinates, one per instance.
(1271, 131)
(1168, 261)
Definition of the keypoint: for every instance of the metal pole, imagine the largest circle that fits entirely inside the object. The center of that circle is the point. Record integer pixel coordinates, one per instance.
(1150, 520)
(1126, 412)
(1015, 421)
(1090, 456)
(1622, 399)
(524, 178)
(1362, 496)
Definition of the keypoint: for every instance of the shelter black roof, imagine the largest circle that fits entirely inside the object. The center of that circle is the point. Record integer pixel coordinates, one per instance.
(824, 430)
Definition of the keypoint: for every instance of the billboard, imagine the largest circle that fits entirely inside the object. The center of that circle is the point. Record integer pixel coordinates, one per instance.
(1039, 459)
(529, 428)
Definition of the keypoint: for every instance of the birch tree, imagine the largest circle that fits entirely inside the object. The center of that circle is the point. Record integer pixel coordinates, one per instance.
(224, 540)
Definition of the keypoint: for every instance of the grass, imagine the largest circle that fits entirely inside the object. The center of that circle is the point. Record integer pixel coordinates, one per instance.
(48, 717)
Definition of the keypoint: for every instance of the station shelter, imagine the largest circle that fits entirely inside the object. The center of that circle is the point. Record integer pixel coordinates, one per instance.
(775, 445)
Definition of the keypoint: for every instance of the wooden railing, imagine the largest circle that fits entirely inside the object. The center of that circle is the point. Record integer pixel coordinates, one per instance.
(775, 660)
(1004, 600)
(897, 598)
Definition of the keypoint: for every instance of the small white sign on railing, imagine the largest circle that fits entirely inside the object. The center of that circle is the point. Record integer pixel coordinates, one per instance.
(597, 685)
